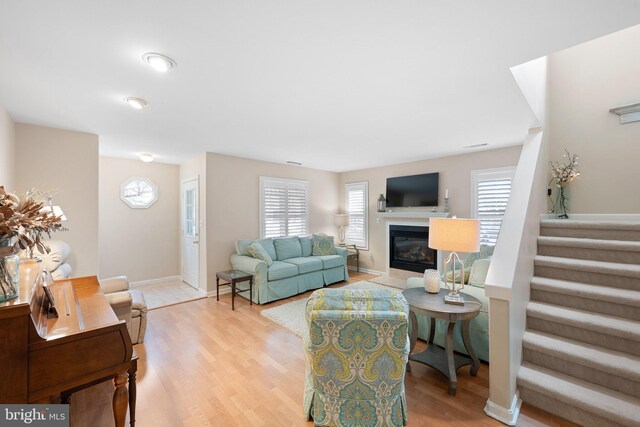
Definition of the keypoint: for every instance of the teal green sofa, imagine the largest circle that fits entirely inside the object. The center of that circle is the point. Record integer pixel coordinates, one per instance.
(294, 269)
(356, 350)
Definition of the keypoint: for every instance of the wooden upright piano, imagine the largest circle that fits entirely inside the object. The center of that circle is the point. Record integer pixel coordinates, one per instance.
(45, 357)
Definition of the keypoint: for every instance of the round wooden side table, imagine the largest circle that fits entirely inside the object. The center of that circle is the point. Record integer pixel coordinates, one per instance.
(434, 307)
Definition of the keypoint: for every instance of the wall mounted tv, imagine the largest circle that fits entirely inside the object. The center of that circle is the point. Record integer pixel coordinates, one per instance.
(412, 191)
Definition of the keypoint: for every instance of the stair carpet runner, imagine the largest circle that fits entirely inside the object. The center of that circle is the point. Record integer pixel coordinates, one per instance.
(581, 349)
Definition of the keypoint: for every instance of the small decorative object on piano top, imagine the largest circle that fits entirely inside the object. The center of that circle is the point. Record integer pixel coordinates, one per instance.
(382, 203)
(432, 281)
(23, 225)
(9, 270)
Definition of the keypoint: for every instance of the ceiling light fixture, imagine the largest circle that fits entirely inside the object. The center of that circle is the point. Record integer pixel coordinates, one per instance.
(477, 145)
(137, 103)
(146, 157)
(160, 63)
(290, 162)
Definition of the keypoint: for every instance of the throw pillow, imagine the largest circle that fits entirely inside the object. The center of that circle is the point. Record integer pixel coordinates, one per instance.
(323, 245)
(465, 277)
(258, 252)
(478, 274)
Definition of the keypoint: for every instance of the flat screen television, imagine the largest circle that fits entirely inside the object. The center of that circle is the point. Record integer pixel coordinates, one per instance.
(413, 191)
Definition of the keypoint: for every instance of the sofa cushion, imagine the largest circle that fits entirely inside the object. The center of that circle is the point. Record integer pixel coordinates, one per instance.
(330, 261)
(267, 244)
(242, 247)
(478, 273)
(307, 245)
(306, 264)
(281, 270)
(323, 245)
(287, 247)
(257, 251)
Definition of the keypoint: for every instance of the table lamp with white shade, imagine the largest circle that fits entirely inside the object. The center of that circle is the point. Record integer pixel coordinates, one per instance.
(54, 210)
(454, 235)
(342, 221)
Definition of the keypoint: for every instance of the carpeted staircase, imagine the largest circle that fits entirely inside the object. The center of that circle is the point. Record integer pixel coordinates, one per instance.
(581, 350)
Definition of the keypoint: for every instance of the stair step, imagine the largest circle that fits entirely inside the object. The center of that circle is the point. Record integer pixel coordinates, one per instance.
(598, 329)
(617, 251)
(584, 296)
(608, 368)
(622, 230)
(612, 274)
(585, 403)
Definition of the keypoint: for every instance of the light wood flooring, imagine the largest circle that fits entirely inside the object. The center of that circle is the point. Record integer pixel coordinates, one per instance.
(205, 365)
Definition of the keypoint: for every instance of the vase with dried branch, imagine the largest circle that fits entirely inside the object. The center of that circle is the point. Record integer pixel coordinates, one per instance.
(563, 174)
(23, 225)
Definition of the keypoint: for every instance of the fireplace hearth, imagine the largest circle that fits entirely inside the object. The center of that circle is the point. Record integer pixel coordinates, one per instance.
(409, 248)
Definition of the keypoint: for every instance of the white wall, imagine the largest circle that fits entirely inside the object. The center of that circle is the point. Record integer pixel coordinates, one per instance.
(233, 202)
(142, 244)
(584, 83)
(455, 175)
(66, 163)
(7, 150)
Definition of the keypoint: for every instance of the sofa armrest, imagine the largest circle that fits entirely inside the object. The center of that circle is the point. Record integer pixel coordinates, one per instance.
(343, 252)
(248, 264)
(119, 300)
(114, 284)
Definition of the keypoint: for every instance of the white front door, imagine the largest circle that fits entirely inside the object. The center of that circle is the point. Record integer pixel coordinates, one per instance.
(190, 238)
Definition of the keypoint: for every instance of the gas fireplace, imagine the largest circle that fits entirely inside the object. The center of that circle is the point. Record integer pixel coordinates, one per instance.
(409, 248)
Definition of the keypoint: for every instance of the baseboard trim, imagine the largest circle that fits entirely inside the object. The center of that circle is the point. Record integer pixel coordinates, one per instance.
(366, 270)
(507, 416)
(156, 281)
(223, 290)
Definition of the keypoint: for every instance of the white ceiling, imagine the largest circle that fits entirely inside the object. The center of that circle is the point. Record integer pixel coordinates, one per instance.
(336, 85)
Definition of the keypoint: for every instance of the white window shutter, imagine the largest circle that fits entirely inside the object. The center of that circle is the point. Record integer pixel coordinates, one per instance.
(491, 190)
(283, 207)
(357, 206)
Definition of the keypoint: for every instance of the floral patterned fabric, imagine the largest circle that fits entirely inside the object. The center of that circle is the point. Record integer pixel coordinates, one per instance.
(323, 245)
(356, 349)
(258, 252)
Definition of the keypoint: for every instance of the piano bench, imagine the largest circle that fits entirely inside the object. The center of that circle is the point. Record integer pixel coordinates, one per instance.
(138, 316)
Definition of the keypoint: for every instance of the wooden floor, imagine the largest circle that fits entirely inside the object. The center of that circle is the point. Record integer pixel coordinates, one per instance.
(205, 365)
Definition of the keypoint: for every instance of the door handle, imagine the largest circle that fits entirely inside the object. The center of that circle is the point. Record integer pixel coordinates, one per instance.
(195, 242)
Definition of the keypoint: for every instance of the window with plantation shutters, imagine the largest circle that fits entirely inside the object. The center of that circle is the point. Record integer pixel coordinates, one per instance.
(283, 207)
(357, 207)
(490, 191)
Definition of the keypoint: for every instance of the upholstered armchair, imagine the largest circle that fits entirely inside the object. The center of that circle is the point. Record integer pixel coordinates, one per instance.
(128, 304)
(356, 349)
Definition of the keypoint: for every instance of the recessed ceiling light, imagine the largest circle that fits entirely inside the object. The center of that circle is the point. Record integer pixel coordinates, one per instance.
(477, 145)
(146, 157)
(137, 103)
(160, 63)
(290, 162)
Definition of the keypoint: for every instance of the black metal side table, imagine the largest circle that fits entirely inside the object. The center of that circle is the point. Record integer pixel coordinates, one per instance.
(232, 277)
(353, 254)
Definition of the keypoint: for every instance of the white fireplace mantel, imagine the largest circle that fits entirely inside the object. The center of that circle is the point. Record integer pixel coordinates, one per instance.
(412, 215)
